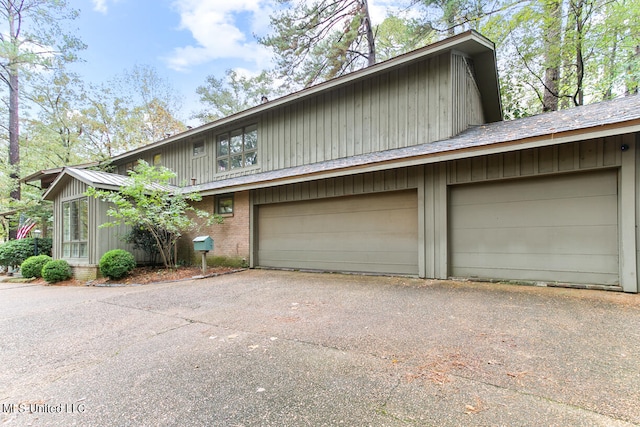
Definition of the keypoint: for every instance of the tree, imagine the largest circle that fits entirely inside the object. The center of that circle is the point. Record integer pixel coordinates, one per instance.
(321, 39)
(234, 93)
(54, 137)
(34, 39)
(147, 201)
(395, 36)
(131, 110)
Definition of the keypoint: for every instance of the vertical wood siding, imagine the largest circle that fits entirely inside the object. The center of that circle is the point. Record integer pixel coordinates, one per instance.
(395, 179)
(402, 107)
(74, 189)
(466, 95)
(100, 240)
(585, 155)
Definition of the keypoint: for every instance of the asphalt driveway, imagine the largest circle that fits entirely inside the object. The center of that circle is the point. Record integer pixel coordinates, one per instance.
(272, 348)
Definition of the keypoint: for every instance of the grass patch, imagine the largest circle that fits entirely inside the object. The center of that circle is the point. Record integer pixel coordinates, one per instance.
(225, 261)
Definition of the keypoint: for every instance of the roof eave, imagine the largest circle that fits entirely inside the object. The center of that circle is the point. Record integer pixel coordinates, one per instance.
(601, 131)
(470, 42)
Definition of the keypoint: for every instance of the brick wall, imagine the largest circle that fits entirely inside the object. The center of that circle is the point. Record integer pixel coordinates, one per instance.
(230, 239)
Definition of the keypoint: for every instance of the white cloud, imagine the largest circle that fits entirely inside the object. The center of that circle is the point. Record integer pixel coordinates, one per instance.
(100, 5)
(221, 29)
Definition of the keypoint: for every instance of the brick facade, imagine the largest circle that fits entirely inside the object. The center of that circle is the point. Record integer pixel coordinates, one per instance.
(231, 238)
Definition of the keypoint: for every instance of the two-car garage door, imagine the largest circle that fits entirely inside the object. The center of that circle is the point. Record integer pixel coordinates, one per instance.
(375, 233)
(559, 228)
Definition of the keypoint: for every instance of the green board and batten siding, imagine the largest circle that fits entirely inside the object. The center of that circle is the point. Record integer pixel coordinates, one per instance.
(397, 108)
(450, 195)
(100, 240)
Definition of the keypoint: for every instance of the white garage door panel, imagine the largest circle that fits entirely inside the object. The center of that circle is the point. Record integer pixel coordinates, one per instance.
(368, 233)
(560, 228)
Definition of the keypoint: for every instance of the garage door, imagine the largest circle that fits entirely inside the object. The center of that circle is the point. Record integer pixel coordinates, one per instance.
(562, 228)
(375, 233)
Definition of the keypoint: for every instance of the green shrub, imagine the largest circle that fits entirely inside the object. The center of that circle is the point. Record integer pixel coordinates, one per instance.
(14, 252)
(56, 270)
(116, 263)
(32, 266)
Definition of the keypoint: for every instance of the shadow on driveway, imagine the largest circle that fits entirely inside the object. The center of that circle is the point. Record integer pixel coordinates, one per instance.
(273, 348)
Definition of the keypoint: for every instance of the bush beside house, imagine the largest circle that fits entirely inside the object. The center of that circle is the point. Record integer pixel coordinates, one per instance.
(56, 270)
(32, 266)
(116, 263)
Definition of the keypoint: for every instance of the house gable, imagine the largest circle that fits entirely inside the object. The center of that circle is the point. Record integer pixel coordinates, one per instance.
(421, 97)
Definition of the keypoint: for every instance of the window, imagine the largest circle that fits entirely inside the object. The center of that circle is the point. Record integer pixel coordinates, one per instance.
(224, 205)
(237, 149)
(75, 228)
(157, 159)
(130, 166)
(198, 148)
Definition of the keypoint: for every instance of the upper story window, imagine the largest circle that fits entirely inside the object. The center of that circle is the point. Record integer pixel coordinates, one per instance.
(237, 149)
(157, 159)
(198, 148)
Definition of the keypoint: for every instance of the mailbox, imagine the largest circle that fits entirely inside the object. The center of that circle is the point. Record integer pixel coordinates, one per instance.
(203, 243)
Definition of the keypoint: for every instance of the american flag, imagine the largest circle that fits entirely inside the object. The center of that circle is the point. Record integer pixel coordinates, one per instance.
(25, 228)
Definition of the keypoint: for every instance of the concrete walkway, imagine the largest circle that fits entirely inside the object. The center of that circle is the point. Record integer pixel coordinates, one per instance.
(269, 348)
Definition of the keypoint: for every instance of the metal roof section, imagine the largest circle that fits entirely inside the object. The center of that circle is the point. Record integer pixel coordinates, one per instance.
(470, 42)
(591, 121)
(98, 179)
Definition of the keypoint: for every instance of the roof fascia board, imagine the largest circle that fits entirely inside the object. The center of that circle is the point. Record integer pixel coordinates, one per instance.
(69, 172)
(453, 43)
(495, 148)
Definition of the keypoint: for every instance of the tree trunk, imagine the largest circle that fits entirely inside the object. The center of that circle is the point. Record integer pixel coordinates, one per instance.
(578, 97)
(631, 82)
(14, 133)
(371, 55)
(552, 57)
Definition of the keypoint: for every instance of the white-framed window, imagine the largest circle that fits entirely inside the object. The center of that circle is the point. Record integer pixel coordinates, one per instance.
(237, 149)
(75, 228)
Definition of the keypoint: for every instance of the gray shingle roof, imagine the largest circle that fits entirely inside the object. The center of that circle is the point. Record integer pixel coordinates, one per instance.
(547, 125)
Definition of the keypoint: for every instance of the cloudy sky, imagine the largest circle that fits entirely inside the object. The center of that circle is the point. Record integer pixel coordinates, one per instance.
(184, 40)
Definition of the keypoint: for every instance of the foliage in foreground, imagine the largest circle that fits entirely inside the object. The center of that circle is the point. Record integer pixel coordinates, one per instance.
(56, 270)
(32, 266)
(116, 263)
(149, 201)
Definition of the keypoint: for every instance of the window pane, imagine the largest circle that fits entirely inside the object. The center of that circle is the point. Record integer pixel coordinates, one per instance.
(251, 159)
(83, 250)
(223, 164)
(251, 138)
(236, 141)
(198, 148)
(66, 250)
(225, 205)
(83, 219)
(74, 250)
(223, 145)
(66, 222)
(74, 220)
(236, 161)
(157, 160)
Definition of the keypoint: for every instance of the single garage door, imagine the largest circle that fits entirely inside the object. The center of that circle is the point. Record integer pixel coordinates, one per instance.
(375, 233)
(560, 228)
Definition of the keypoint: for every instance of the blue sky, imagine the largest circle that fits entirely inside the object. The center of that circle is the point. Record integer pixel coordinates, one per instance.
(184, 40)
